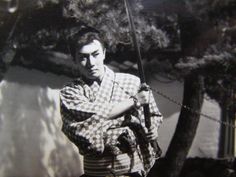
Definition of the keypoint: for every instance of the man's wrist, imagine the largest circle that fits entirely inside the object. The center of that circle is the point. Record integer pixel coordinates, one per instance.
(137, 104)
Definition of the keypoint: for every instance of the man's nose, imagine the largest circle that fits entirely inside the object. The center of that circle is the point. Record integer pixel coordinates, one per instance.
(90, 60)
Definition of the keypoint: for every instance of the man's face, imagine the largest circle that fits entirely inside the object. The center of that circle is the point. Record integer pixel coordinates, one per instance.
(90, 59)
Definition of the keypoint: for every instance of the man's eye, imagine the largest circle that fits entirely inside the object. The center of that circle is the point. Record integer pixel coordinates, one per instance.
(95, 54)
(83, 58)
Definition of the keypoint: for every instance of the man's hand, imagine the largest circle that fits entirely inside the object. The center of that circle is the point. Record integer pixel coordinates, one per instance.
(143, 96)
(152, 133)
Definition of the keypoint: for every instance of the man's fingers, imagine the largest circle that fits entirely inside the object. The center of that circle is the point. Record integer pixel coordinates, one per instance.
(151, 137)
(143, 97)
(152, 134)
(152, 129)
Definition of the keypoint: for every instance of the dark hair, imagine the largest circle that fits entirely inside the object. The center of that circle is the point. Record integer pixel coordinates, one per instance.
(81, 39)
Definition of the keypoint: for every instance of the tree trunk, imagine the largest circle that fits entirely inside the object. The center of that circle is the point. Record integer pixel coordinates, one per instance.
(186, 127)
(6, 57)
(8, 43)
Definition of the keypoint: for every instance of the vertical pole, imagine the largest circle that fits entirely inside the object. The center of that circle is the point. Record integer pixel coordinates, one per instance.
(223, 130)
(232, 122)
(227, 133)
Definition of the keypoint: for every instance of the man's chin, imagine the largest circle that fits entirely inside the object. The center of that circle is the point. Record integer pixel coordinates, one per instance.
(92, 77)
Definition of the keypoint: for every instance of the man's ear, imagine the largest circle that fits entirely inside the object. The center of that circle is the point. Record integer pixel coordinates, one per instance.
(104, 51)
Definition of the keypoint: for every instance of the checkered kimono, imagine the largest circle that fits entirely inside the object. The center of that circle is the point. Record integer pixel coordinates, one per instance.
(85, 107)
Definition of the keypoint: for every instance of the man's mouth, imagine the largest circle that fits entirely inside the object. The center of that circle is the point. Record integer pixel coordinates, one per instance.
(92, 70)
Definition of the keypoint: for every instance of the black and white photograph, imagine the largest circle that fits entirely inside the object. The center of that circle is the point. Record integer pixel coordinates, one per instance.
(117, 88)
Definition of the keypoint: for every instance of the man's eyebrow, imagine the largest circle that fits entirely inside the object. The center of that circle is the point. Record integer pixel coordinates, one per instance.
(96, 51)
(84, 54)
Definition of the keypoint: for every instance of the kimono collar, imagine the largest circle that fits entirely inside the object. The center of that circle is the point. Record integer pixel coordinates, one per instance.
(106, 86)
(108, 74)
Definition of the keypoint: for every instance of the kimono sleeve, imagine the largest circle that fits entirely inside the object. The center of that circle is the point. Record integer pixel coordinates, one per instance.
(87, 135)
(78, 105)
(84, 122)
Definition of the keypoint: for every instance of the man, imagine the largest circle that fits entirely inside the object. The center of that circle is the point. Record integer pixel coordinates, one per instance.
(102, 114)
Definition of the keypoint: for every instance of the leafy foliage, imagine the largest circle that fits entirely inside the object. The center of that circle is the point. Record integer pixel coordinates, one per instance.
(44, 26)
(110, 17)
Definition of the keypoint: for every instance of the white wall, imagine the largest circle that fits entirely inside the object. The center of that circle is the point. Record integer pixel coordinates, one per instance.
(206, 141)
(31, 140)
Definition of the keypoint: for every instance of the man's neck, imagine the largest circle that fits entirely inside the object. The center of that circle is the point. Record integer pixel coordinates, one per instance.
(98, 80)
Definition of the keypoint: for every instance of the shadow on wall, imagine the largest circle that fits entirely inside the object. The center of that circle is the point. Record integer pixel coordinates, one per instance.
(31, 140)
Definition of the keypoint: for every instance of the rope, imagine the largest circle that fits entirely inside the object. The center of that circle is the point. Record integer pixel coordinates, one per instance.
(185, 107)
(192, 110)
